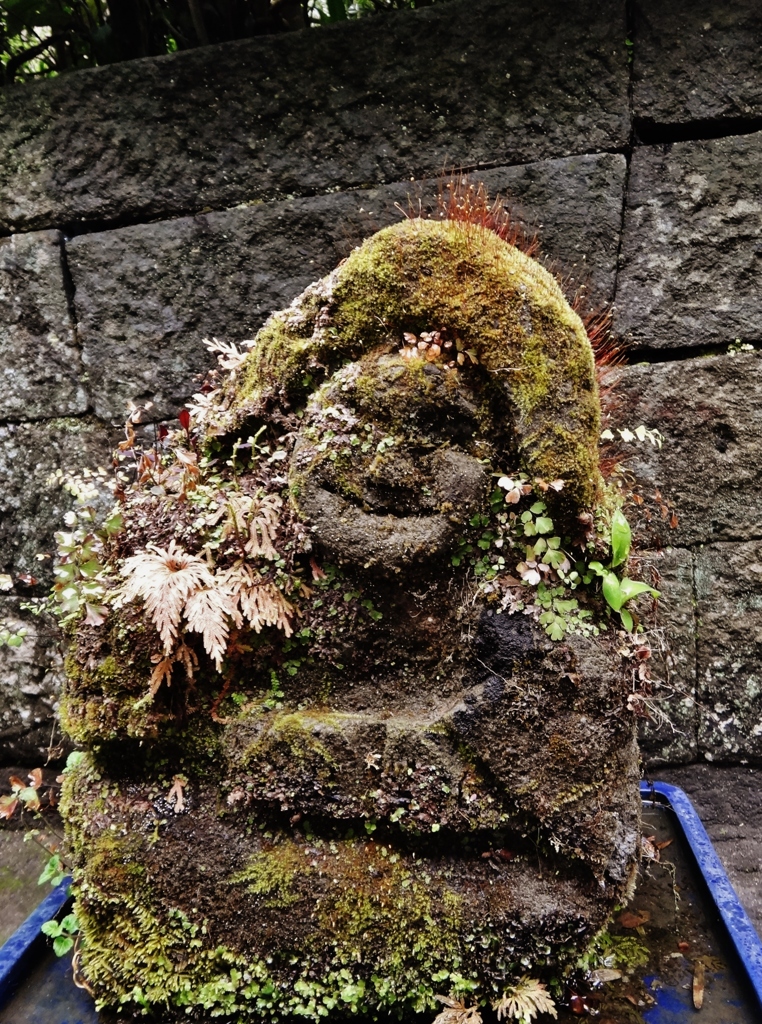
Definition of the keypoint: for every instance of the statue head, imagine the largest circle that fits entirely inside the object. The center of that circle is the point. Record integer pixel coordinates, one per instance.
(351, 678)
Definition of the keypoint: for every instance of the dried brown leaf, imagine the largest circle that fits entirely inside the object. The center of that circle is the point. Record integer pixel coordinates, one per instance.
(456, 1012)
(699, 982)
(8, 805)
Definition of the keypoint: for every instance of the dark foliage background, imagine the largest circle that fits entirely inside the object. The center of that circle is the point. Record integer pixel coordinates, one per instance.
(47, 37)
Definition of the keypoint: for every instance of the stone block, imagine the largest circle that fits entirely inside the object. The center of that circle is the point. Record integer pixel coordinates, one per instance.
(466, 83)
(709, 470)
(40, 370)
(696, 61)
(32, 501)
(30, 680)
(670, 736)
(691, 267)
(147, 295)
(729, 651)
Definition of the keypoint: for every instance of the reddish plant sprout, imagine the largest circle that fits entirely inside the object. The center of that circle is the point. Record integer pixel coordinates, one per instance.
(462, 200)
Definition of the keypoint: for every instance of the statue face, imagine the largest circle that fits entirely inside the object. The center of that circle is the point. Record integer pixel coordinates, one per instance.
(392, 458)
(412, 784)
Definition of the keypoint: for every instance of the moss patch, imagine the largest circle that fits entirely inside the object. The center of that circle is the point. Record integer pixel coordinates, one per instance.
(426, 275)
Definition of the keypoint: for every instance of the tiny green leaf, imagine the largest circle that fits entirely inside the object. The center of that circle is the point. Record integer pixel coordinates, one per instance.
(631, 588)
(62, 944)
(626, 619)
(70, 924)
(612, 591)
(621, 539)
(556, 630)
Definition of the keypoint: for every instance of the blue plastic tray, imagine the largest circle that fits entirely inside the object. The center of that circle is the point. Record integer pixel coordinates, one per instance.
(27, 966)
(673, 1006)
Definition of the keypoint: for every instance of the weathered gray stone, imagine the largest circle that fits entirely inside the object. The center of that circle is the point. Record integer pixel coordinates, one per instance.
(362, 102)
(696, 61)
(691, 271)
(30, 679)
(40, 371)
(147, 295)
(32, 501)
(729, 651)
(729, 801)
(670, 737)
(709, 470)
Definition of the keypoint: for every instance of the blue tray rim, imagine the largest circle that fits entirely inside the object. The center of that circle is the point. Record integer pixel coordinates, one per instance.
(741, 932)
(16, 949)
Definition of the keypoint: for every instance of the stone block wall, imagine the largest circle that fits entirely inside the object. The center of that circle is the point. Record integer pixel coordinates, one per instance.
(145, 206)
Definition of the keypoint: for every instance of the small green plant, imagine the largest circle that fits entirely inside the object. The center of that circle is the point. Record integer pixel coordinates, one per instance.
(738, 346)
(548, 571)
(618, 592)
(620, 952)
(9, 636)
(53, 872)
(62, 933)
(80, 574)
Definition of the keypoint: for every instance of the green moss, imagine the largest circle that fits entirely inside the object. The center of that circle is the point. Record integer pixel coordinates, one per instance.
(294, 733)
(271, 873)
(411, 939)
(424, 275)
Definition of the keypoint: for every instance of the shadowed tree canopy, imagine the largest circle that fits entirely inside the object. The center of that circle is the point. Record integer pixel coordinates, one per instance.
(46, 37)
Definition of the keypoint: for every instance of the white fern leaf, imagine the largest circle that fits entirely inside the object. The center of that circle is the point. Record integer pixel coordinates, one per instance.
(206, 612)
(261, 603)
(456, 1012)
(164, 579)
(264, 514)
(524, 1001)
(229, 356)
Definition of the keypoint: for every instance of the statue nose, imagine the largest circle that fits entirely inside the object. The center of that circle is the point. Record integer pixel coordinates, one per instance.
(386, 542)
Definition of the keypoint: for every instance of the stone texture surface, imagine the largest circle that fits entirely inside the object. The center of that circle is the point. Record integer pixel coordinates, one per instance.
(670, 736)
(696, 60)
(146, 296)
(32, 503)
(362, 102)
(709, 470)
(729, 802)
(40, 371)
(729, 650)
(691, 268)
(30, 680)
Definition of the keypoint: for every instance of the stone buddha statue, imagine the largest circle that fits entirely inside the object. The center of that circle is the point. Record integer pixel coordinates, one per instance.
(353, 718)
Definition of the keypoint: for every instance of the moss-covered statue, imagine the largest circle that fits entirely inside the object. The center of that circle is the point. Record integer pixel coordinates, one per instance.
(354, 723)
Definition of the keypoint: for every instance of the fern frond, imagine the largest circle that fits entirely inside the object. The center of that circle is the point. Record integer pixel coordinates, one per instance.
(261, 603)
(206, 612)
(253, 520)
(164, 579)
(456, 1012)
(524, 1001)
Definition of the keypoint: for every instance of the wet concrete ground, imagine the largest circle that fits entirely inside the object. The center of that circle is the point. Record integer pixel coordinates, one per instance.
(729, 802)
(20, 867)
